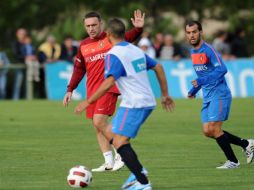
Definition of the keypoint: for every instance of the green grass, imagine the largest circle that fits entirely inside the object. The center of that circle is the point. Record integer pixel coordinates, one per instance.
(40, 141)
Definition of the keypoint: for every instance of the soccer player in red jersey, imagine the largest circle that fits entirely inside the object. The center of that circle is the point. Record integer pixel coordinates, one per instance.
(90, 61)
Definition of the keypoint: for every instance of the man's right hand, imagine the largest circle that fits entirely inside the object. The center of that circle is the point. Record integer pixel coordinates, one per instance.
(67, 98)
(191, 96)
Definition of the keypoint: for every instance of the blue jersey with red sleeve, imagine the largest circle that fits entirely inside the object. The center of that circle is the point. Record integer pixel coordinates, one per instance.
(210, 70)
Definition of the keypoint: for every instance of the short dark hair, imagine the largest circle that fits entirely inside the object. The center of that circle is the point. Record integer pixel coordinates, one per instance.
(68, 36)
(93, 14)
(220, 33)
(192, 23)
(116, 27)
(238, 30)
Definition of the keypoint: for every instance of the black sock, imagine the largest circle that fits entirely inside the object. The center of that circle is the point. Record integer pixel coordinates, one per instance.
(237, 140)
(224, 144)
(131, 161)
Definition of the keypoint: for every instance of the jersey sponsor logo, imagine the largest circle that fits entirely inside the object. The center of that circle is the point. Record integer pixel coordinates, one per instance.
(95, 57)
(199, 58)
(139, 65)
(200, 68)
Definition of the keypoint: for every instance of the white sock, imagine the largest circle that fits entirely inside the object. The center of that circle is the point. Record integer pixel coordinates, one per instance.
(108, 157)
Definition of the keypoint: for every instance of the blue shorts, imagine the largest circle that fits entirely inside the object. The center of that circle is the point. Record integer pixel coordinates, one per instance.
(127, 121)
(216, 110)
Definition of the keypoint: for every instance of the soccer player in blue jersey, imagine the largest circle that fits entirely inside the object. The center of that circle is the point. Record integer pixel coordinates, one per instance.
(127, 65)
(210, 71)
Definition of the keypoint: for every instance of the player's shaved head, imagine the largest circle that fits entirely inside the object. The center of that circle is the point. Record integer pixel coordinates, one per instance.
(116, 28)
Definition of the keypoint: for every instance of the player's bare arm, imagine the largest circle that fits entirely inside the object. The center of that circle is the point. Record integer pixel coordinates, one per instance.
(104, 87)
(139, 19)
(166, 101)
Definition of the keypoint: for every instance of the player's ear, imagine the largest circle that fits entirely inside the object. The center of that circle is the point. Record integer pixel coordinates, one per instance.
(108, 35)
(101, 24)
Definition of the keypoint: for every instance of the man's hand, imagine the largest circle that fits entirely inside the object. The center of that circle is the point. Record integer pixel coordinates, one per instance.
(81, 107)
(167, 103)
(67, 98)
(194, 83)
(139, 19)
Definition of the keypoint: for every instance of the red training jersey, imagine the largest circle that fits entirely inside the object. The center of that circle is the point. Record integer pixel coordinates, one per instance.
(90, 61)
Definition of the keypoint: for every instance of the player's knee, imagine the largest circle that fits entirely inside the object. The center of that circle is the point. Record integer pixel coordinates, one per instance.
(208, 133)
(99, 124)
(212, 130)
(97, 130)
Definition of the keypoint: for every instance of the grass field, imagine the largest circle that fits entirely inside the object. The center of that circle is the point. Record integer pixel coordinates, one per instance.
(40, 141)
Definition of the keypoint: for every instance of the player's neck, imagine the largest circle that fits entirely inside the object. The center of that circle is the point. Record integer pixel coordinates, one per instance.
(197, 46)
(116, 41)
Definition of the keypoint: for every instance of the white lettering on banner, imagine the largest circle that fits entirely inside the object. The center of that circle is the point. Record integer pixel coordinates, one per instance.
(182, 73)
(242, 81)
(231, 83)
(67, 76)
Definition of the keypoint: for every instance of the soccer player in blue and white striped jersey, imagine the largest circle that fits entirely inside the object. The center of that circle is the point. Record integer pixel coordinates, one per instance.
(217, 98)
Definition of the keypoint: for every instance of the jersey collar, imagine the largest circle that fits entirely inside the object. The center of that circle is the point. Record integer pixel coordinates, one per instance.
(123, 43)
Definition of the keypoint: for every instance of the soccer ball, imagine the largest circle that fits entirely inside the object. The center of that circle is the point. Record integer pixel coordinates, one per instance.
(79, 177)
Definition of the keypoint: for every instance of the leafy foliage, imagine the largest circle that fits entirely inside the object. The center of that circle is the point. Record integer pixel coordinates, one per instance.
(63, 16)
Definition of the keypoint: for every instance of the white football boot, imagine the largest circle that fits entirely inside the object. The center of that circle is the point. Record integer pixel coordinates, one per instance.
(118, 163)
(229, 165)
(104, 167)
(249, 151)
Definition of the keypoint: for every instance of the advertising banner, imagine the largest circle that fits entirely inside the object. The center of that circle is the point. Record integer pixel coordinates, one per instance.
(240, 78)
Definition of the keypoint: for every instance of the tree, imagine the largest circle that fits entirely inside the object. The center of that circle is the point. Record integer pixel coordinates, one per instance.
(28, 14)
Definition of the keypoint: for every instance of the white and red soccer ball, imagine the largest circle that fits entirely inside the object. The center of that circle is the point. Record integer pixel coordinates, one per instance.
(79, 177)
